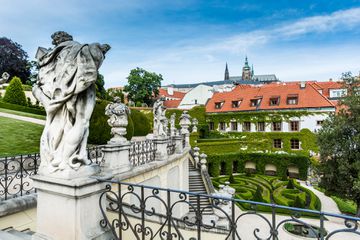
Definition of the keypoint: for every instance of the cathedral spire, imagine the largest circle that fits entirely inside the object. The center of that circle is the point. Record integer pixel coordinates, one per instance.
(226, 77)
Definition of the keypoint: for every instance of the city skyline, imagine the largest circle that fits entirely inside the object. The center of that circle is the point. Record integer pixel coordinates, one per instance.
(190, 41)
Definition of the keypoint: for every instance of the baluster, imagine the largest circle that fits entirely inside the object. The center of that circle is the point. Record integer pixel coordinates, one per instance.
(142, 207)
(6, 177)
(232, 224)
(119, 211)
(273, 216)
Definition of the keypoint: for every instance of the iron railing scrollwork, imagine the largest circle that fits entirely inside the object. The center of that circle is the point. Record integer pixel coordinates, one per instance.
(183, 140)
(15, 175)
(142, 152)
(130, 211)
(95, 155)
(170, 146)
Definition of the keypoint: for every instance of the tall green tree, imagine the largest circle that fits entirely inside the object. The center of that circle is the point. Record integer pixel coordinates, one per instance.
(13, 59)
(339, 142)
(15, 92)
(99, 85)
(143, 86)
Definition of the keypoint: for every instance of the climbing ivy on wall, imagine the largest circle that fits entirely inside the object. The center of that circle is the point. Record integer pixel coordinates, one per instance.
(256, 116)
(223, 163)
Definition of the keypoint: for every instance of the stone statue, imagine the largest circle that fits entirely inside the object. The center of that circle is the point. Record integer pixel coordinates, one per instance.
(118, 121)
(159, 118)
(4, 77)
(66, 88)
(195, 122)
(172, 124)
(185, 122)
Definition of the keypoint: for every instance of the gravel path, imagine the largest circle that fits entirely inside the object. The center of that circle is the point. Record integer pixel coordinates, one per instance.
(22, 118)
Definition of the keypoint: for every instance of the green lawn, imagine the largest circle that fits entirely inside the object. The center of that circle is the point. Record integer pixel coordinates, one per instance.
(273, 189)
(24, 114)
(18, 137)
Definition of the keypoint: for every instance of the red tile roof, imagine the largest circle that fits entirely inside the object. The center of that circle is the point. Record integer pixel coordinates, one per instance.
(308, 97)
(172, 103)
(176, 94)
(326, 86)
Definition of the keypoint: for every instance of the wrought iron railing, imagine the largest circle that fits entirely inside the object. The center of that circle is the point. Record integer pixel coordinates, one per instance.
(131, 210)
(15, 172)
(15, 175)
(95, 154)
(171, 146)
(142, 152)
(183, 140)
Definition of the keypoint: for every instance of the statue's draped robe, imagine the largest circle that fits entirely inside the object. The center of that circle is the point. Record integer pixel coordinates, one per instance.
(66, 88)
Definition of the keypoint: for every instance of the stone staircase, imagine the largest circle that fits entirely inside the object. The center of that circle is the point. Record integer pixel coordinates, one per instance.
(197, 185)
(12, 234)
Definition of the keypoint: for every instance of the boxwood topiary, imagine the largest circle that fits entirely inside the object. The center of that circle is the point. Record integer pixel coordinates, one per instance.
(141, 123)
(15, 93)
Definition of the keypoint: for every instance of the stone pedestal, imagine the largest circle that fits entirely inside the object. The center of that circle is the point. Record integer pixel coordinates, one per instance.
(178, 144)
(69, 209)
(161, 148)
(116, 158)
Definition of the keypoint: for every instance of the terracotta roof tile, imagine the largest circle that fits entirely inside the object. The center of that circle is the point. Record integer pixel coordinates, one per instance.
(176, 94)
(172, 103)
(308, 97)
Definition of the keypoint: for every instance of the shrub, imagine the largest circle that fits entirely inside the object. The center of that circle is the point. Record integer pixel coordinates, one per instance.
(258, 195)
(231, 179)
(298, 203)
(141, 123)
(290, 184)
(15, 92)
(35, 110)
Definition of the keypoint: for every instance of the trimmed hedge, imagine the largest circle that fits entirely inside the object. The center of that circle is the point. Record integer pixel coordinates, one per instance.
(15, 93)
(281, 161)
(142, 124)
(21, 108)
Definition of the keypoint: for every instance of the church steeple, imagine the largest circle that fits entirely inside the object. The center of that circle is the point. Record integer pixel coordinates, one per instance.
(227, 76)
(246, 71)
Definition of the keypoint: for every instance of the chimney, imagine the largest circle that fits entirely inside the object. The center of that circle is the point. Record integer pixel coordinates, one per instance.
(330, 80)
(302, 85)
(170, 91)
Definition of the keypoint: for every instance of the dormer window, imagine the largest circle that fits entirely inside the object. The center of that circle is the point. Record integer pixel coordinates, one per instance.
(218, 105)
(236, 104)
(255, 102)
(274, 101)
(292, 100)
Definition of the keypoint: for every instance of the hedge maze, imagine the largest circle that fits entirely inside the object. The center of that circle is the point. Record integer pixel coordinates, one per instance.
(270, 189)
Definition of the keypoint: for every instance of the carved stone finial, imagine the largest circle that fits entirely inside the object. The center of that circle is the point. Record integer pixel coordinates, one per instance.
(195, 122)
(118, 121)
(185, 122)
(172, 124)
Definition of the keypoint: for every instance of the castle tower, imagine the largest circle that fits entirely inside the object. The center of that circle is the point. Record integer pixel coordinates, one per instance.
(246, 71)
(227, 76)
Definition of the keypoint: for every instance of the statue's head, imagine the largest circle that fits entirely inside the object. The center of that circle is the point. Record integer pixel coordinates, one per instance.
(60, 37)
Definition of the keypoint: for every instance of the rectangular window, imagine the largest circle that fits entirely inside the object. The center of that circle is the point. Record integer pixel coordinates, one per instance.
(292, 100)
(276, 126)
(218, 105)
(246, 127)
(234, 126)
(255, 102)
(211, 126)
(294, 126)
(337, 93)
(295, 144)
(235, 104)
(319, 122)
(274, 101)
(261, 126)
(222, 126)
(277, 143)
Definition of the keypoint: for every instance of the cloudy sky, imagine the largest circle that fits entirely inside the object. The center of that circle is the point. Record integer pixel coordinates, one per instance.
(191, 40)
